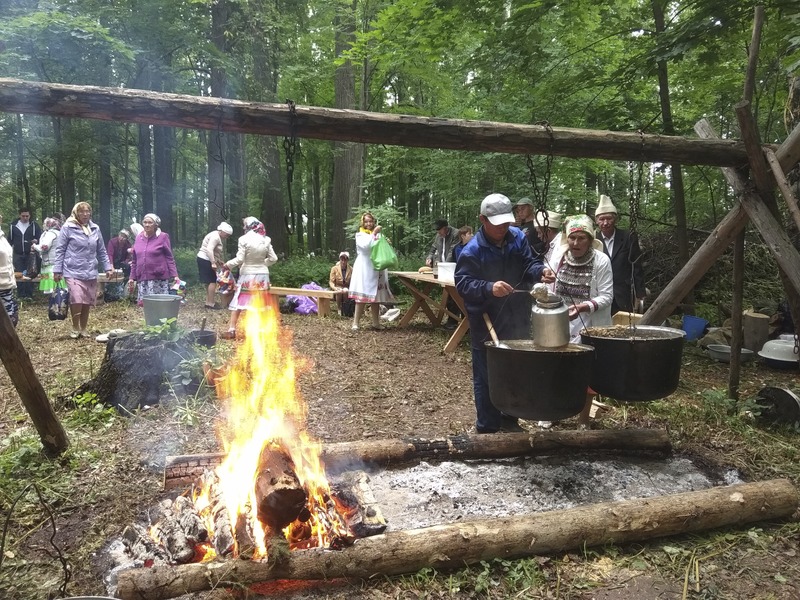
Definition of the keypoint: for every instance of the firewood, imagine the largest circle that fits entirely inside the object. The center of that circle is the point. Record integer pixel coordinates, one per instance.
(182, 471)
(223, 528)
(363, 514)
(279, 495)
(464, 543)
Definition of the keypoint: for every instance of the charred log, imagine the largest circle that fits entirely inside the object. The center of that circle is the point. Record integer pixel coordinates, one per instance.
(279, 494)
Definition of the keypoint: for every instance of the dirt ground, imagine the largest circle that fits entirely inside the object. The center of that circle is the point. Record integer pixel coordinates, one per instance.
(364, 384)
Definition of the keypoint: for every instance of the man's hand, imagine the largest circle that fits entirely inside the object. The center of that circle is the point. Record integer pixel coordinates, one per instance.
(428, 262)
(110, 274)
(548, 276)
(56, 277)
(501, 289)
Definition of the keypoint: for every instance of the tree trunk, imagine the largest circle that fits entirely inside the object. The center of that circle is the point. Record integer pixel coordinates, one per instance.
(144, 150)
(22, 191)
(182, 471)
(456, 545)
(177, 110)
(217, 139)
(20, 370)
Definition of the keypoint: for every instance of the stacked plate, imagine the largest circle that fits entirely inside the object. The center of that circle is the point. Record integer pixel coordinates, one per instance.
(779, 354)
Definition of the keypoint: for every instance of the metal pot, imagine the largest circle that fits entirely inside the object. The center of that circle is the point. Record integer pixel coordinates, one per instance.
(635, 364)
(544, 384)
(550, 322)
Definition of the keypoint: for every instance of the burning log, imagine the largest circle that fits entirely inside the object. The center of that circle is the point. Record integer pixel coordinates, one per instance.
(182, 471)
(179, 529)
(279, 494)
(223, 529)
(456, 545)
(363, 514)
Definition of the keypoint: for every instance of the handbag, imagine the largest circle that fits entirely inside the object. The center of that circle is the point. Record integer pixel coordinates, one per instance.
(383, 255)
(58, 306)
(32, 264)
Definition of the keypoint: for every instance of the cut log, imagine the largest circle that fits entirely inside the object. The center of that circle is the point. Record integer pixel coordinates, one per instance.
(279, 494)
(20, 370)
(222, 114)
(455, 545)
(756, 330)
(183, 471)
(362, 512)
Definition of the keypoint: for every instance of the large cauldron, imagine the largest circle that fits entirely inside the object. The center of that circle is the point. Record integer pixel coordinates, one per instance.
(544, 384)
(635, 364)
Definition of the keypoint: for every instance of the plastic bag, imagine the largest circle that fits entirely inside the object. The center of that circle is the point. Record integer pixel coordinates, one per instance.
(32, 263)
(383, 256)
(303, 304)
(226, 284)
(58, 306)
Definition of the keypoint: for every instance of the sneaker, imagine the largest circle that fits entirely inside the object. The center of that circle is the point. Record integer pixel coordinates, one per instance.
(74, 334)
(450, 325)
(354, 328)
(228, 335)
(544, 424)
(510, 425)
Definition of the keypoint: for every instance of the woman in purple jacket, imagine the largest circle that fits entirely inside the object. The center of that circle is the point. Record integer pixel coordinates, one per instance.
(152, 263)
(79, 251)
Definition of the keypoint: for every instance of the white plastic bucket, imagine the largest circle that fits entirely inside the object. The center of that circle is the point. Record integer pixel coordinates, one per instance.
(160, 306)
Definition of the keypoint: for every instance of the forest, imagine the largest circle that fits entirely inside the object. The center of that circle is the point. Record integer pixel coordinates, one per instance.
(622, 66)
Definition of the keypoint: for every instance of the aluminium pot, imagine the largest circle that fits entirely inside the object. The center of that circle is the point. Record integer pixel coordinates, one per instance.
(540, 384)
(635, 364)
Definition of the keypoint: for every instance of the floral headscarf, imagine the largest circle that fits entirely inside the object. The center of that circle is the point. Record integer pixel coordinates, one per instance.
(253, 224)
(73, 217)
(52, 223)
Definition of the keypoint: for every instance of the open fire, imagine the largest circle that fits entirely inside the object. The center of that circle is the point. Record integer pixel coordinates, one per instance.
(271, 487)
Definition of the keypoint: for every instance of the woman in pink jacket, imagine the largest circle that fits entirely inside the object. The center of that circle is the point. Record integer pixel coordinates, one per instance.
(152, 263)
(253, 259)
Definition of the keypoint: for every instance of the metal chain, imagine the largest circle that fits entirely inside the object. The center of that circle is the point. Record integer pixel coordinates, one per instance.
(290, 148)
(540, 194)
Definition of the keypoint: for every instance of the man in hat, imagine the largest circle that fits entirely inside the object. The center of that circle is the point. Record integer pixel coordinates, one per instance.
(339, 280)
(548, 228)
(443, 244)
(497, 262)
(625, 254)
(523, 218)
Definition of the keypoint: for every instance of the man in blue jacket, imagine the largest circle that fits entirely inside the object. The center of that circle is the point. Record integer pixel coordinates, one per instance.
(22, 235)
(497, 261)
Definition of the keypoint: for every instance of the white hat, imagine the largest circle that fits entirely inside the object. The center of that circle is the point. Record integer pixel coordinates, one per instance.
(582, 223)
(605, 206)
(553, 219)
(497, 209)
(225, 228)
(344, 253)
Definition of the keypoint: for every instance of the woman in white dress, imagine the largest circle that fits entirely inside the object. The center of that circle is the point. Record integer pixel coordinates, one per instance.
(367, 285)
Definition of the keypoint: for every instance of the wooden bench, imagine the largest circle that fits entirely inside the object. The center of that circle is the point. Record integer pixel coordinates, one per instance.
(322, 298)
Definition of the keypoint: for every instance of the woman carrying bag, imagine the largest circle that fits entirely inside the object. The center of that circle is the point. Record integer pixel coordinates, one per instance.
(368, 285)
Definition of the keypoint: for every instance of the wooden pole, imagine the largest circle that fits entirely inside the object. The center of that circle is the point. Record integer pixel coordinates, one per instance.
(459, 544)
(182, 471)
(18, 364)
(221, 114)
(784, 187)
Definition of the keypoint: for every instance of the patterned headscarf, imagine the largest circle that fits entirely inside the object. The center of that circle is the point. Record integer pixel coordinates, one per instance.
(253, 224)
(52, 223)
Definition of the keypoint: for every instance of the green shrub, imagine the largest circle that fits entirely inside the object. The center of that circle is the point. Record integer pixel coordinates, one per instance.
(186, 261)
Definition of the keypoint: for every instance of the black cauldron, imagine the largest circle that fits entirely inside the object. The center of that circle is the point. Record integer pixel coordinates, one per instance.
(202, 337)
(535, 383)
(635, 364)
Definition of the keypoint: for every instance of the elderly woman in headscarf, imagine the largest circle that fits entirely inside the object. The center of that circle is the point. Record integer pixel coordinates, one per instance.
(152, 262)
(253, 259)
(585, 282)
(79, 251)
(46, 249)
(339, 279)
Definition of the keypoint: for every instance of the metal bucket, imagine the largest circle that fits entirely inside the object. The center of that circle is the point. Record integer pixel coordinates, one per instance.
(635, 364)
(535, 383)
(160, 306)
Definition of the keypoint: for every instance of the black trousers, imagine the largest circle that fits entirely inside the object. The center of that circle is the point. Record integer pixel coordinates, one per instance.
(24, 288)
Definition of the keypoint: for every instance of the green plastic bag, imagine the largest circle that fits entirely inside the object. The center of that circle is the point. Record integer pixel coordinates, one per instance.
(383, 255)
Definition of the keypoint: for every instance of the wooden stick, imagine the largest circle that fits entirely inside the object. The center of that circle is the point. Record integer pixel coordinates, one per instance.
(455, 545)
(182, 471)
(783, 186)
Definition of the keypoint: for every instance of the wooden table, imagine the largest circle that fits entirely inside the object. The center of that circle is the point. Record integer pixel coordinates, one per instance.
(420, 285)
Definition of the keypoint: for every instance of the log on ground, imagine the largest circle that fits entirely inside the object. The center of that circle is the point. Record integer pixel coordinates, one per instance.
(184, 470)
(455, 545)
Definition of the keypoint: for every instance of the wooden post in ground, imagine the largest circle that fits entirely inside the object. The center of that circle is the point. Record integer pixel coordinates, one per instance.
(18, 364)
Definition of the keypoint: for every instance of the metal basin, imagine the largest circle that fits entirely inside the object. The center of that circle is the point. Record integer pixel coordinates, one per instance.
(635, 364)
(535, 383)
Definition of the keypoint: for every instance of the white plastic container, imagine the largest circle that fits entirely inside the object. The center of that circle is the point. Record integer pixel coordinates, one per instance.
(447, 272)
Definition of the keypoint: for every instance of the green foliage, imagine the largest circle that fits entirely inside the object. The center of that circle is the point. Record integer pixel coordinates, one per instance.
(168, 331)
(90, 412)
(186, 263)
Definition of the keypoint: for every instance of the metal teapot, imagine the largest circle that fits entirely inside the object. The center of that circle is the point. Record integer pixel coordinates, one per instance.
(550, 321)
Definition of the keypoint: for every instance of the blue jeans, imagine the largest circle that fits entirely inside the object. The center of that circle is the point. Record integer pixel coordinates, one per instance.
(489, 419)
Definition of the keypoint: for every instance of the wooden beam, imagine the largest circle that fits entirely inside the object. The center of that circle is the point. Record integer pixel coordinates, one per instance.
(783, 186)
(182, 471)
(175, 110)
(20, 370)
(455, 545)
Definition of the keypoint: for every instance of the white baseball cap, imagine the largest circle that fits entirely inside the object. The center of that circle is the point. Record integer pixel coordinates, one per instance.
(497, 209)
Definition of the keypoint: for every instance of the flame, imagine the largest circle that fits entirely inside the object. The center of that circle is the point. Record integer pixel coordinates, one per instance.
(262, 407)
